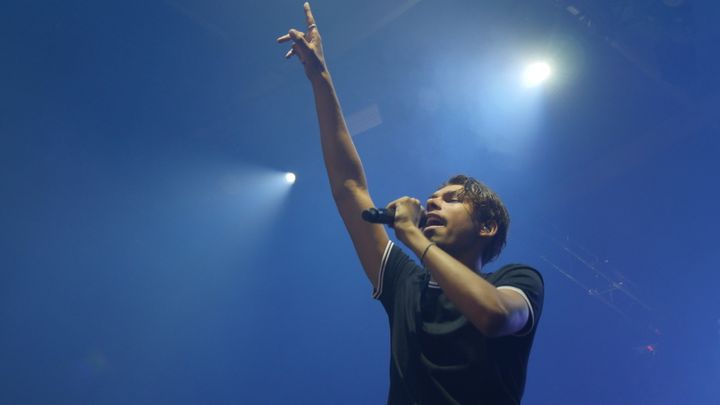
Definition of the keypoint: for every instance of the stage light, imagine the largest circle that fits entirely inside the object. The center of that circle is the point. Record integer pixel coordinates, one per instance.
(536, 73)
(290, 177)
(251, 201)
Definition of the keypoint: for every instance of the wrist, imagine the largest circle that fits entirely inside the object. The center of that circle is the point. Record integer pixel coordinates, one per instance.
(425, 251)
(410, 235)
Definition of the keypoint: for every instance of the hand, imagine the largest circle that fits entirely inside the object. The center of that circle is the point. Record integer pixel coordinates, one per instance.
(307, 46)
(408, 212)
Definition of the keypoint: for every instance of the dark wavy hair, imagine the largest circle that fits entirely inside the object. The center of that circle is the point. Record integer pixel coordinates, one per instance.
(486, 207)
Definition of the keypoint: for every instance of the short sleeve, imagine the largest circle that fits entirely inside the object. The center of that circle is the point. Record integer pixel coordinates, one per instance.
(395, 267)
(529, 283)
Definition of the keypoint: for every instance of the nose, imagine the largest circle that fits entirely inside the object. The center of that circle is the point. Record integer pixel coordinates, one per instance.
(431, 205)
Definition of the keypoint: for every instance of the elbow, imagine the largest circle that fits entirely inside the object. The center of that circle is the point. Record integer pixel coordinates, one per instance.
(346, 189)
(492, 324)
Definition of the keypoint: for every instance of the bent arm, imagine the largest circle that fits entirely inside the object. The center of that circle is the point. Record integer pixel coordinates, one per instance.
(494, 312)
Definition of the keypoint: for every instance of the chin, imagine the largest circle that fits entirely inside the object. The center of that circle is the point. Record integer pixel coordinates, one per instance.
(433, 237)
(433, 234)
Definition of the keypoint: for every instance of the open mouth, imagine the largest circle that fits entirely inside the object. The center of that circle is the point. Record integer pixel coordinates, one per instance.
(434, 220)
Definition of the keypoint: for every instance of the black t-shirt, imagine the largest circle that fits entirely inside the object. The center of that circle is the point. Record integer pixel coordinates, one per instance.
(436, 355)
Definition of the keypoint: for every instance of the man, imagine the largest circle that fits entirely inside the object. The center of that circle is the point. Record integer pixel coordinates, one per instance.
(457, 335)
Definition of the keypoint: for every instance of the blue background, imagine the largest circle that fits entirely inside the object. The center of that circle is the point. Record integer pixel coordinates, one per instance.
(151, 253)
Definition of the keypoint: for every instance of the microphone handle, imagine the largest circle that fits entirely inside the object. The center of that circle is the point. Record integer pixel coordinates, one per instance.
(386, 216)
(379, 215)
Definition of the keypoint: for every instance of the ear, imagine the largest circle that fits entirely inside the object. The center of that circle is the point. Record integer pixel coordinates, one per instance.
(488, 229)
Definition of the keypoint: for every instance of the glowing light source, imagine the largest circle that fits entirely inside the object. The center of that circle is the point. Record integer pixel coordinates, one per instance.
(536, 73)
(290, 177)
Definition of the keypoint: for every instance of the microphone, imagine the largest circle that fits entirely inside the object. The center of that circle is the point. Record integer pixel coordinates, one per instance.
(387, 216)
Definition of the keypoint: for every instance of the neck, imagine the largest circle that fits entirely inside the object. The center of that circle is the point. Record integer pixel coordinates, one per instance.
(472, 261)
(471, 258)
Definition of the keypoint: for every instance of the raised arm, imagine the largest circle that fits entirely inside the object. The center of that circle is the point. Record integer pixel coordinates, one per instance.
(344, 168)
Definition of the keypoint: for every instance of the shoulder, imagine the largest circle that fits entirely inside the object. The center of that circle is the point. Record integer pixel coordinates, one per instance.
(516, 271)
(522, 278)
(526, 281)
(395, 266)
(396, 257)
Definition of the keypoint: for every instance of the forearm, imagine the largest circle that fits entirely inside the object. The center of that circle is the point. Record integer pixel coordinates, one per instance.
(474, 297)
(342, 161)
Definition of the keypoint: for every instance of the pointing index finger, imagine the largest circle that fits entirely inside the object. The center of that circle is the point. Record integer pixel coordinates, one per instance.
(308, 15)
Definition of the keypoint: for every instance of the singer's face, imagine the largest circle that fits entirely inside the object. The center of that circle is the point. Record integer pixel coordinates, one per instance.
(449, 220)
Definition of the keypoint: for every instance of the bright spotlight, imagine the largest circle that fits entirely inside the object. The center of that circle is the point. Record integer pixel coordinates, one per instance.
(290, 177)
(536, 74)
